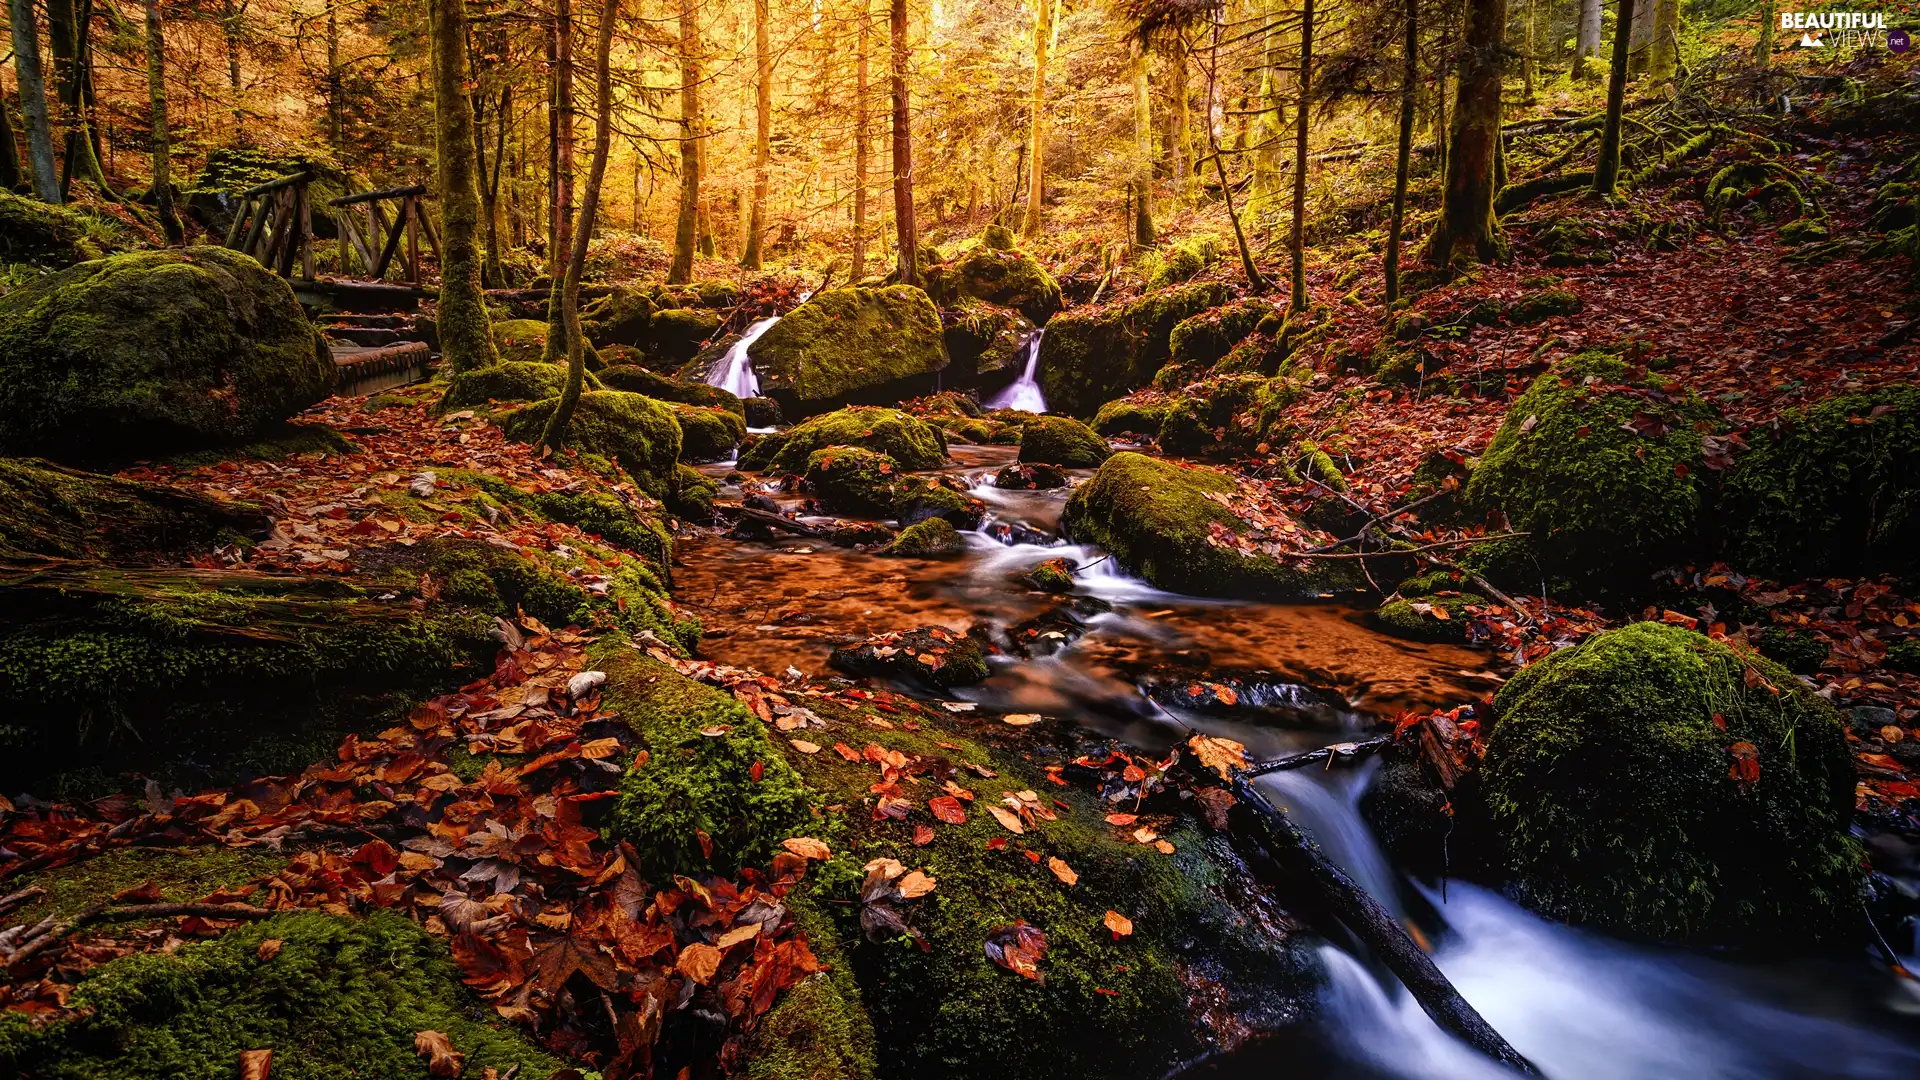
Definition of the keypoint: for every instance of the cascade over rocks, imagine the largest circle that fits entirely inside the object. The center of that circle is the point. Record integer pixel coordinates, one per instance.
(151, 353)
(1002, 277)
(1091, 356)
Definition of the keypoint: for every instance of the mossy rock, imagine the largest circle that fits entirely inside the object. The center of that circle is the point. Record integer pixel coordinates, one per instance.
(1181, 260)
(1030, 477)
(47, 511)
(933, 538)
(520, 340)
(341, 997)
(638, 380)
(52, 237)
(676, 333)
(761, 412)
(598, 513)
(1604, 504)
(1063, 441)
(708, 434)
(917, 499)
(1000, 276)
(1132, 416)
(911, 442)
(931, 658)
(1156, 519)
(154, 352)
(512, 380)
(984, 340)
(1427, 618)
(1052, 576)
(637, 433)
(692, 494)
(1544, 304)
(1653, 782)
(853, 480)
(501, 581)
(620, 318)
(1204, 339)
(1829, 490)
(697, 778)
(1800, 653)
(848, 343)
(1090, 356)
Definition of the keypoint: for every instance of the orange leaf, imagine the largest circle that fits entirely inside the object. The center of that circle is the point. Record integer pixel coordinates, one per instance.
(1062, 871)
(947, 809)
(1007, 819)
(442, 1058)
(698, 962)
(1119, 924)
(255, 1064)
(807, 847)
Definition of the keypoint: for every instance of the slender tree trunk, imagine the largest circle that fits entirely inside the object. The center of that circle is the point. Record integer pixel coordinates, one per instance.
(491, 270)
(69, 31)
(861, 125)
(230, 16)
(1466, 227)
(9, 151)
(1586, 42)
(465, 332)
(336, 85)
(557, 345)
(1043, 14)
(1256, 284)
(1663, 53)
(1183, 156)
(1763, 50)
(1606, 170)
(906, 230)
(557, 424)
(1297, 243)
(762, 135)
(33, 99)
(1403, 159)
(1527, 63)
(1143, 233)
(686, 226)
(1268, 128)
(157, 96)
(1641, 37)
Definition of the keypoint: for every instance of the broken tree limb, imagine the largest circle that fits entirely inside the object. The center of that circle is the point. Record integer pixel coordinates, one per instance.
(103, 912)
(1341, 751)
(1300, 858)
(775, 521)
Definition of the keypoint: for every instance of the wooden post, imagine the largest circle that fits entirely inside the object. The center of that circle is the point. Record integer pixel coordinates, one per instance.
(306, 234)
(240, 215)
(410, 211)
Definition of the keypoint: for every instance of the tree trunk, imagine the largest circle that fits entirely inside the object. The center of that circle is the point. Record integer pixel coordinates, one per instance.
(1183, 156)
(466, 339)
(860, 132)
(1142, 187)
(1527, 63)
(1403, 160)
(157, 95)
(1586, 42)
(33, 99)
(687, 224)
(1303, 81)
(69, 31)
(1663, 53)
(1268, 129)
(1641, 37)
(1606, 169)
(1763, 49)
(9, 151)
(906, 230)
(1043, 14)
(557, 346)
(762, 135)
(1466, 226)
(492, 272)
(556, 431)
(336, 85)
(230, 15)
(1256, 284)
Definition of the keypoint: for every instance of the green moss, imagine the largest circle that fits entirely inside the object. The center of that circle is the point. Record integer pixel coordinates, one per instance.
(853, 480)
(1804, 230)
(592, 511)
(153, 352)
(1052, 576)
(708, 434)
(638, 380)
(1156, 519)
(521, 341)
(1603, 504)
(915, 499)
(1542, 305)
(693, 494)
(1402, 619)
(676, 334)
(1204, 339)
(847, 341)
(61, 513)
(983, 338)
(691, 782)
(54, 237)
(933, 538)
(1905, 656)
(620, 318)
(1312, 461)
(913, 443)
(1182, 260)
(181, 874)
(1611, 774)
(501, 581)
(1090, 356)
(637, 433)
(1132, 416)
(1064, 441)
(1000, 276)
(1830, 490)
(514, 380)
(342, 997)
(1799, 653)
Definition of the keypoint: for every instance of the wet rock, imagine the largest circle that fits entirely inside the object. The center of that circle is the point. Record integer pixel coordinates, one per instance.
(845, 343)
(1867, 720)
(1653, 782)
(911, 442)
(853, 480)
(1002, 277)
(917, 499)
(638, 380)
(1063, 441)
(1428, 617)
(930, 658)
(1090, 356)
(762, 412)
(1032, 476)
(708, 434)
(929, 539)
(1052, 576)
(862, 534)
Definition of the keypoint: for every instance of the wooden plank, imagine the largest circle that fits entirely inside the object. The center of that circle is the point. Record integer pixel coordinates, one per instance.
(258, 209)
(237, 229)
(433, 238)
(306, 233)
(386, 253)
(350, 232)
(411, 212)
(285, 181)
(373, 196)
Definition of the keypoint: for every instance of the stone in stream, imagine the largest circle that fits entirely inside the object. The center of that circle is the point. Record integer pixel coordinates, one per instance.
(1092, 355)
(708, 434)
(1654, 782)
(851, 344)
(911, 442)
(638, 380)
(933, 538)
(931, 657)
(151, 353)
(1063, 441)
(1031, 476)
(1157, 519)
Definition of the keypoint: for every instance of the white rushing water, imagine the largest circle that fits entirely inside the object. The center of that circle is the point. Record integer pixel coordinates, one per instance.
(734, 372)
(1024, 393)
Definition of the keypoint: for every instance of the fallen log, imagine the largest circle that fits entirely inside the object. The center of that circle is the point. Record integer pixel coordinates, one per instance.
(1299, 862)
(1343, 751)
(775, 521)
(104, 912)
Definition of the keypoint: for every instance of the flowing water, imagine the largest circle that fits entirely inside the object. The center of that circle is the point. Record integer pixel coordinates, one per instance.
(1581, 1006)
(1024, 393)
(734, 373)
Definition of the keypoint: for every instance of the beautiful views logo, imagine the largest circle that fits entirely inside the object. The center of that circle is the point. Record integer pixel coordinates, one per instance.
(1840, 29)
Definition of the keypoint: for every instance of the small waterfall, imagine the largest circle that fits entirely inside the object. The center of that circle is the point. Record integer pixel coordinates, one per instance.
(734, 372)
(1025, 393)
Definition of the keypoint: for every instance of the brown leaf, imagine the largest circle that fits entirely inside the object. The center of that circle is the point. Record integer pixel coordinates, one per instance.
(1214, 804)
(916, 883)
(1122, 819)
(1745, 771)
(698, 962)
(1062, 871)
(947, 809)
(922, 835)
(268, 949)
(1119, 924)
(559, 959)
(1220, 755)
(255, 1064)
(1018, 947)
(1007, 819)
(442, 1058)
(1021, 719)
(807, 847)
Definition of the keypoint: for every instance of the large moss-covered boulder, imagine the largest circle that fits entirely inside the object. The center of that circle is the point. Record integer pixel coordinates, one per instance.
(153, 352)
(1062, 440)
(1006, 278)
(1654, 782)
(637, 433)
(1830, 490)
(1157, 519)
(1093, 355)
(676, 334)
(986, 343)
(511, 380)
(50, 236)
(638, 380)
(908, 440)
(520, 340)
(850, 344)
(853, 480)
(708, 434)
(1604, 472)
(1200, 341)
